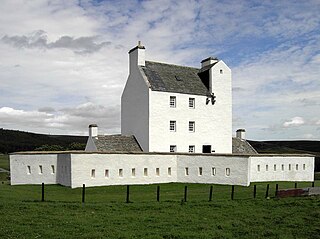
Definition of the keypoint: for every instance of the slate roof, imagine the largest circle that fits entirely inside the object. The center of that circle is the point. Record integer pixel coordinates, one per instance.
(174, 78)
(242, 147)
(115, 143)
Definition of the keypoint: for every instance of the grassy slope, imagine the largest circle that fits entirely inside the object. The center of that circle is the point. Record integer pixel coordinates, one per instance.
(105, 215)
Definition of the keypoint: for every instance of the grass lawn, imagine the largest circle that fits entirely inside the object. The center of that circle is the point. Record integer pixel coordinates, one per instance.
(106, 215)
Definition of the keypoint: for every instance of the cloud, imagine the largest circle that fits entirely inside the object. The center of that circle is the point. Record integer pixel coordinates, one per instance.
(295, 121)
(39, 40)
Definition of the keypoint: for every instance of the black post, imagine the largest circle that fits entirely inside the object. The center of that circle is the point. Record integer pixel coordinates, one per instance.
(295, 185)
(210, 193)
(42, 195)
(277, 188)
(254, 191)
(232, 192)
(158, 193)
(313, 184)
(185, 193)
(83, 192)
(267, 191)
(128, 194)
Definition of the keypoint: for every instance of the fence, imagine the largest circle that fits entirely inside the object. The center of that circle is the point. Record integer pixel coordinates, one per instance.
(164, 192)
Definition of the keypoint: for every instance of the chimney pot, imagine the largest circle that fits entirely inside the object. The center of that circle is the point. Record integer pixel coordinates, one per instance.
(241, 134)
(93, 130)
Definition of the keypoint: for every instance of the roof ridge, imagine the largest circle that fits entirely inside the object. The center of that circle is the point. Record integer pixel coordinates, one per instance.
(173, 65)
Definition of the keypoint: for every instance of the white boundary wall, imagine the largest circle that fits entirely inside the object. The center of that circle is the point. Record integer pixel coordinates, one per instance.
(100, 169)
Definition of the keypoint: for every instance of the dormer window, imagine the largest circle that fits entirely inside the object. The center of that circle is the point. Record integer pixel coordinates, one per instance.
(172, 101)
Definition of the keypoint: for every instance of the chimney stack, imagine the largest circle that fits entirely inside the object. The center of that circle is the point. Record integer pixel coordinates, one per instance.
(241, 134)
(208, 61)
(137, 56)
(93, 130)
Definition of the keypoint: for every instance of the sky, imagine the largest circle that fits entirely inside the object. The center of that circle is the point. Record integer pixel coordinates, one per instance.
(64, 64)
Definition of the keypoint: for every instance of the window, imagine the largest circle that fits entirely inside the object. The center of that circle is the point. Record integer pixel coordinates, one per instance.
(191, 148)
(191, 126)
(213, 171)
(52, 169)
(169, 171)
(28, 169)
(297, 166)
(172, 126)
(157, 171)
(267, 167)
(93, 173)
(274, 167)
(173, 148)
(282, 167)
(258, 168)
(191, 103)
(289, 167)
(206, 149)
(172, 101)
(133, 172)
(186, 171)
(40, 169)
(145, 172)
(227, 171)
(200, 171)
(120, 172)
(106, 173)
(221, 71)
(304, 167)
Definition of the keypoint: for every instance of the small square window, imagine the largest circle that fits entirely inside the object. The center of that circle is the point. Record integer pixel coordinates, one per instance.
(213, 171)
(191, 148)
(93, 173)
(40, 169)
(169, 171)
(258, 168)
(304, 167)
(172, 126)
(274, 167)
(106, 173)
(173, 148)
(186, 171)
(172, 101)
(191, 126)
(227, 171)
(157, 171)
(145, 172)
(221, 71)
(200, 171)
(191, 103)
(133, 172)
(267, 167)
(52, 169)
(120, 172)
(297, 166)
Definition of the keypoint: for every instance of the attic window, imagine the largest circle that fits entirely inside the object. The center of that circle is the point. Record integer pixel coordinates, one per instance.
(221, 71)
(178, 78)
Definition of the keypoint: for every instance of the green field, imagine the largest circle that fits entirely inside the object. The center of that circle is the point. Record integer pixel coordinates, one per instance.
(106, 215)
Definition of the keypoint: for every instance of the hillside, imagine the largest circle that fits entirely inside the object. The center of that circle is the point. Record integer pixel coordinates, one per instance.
(14, 140)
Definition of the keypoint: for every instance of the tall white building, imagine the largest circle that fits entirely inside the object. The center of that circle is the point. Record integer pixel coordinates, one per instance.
(171, 108)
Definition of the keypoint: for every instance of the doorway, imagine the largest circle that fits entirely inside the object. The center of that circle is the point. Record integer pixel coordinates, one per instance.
(206, 149)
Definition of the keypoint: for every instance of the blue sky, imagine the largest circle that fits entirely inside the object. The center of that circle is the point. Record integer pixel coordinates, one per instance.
(64, 64)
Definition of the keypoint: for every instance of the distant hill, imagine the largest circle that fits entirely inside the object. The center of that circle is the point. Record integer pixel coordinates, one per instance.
(14, 141)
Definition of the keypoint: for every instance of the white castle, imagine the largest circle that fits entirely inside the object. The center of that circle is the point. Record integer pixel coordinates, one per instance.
(176, 126)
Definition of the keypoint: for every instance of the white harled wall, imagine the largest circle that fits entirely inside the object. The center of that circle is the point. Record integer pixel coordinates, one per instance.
(76, 169)
(281, 168)
(212, 123)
